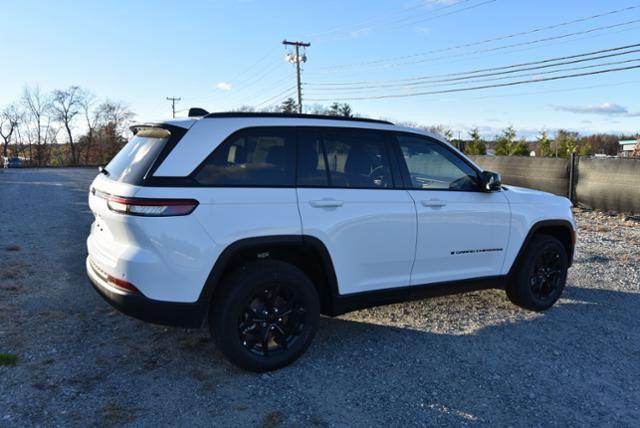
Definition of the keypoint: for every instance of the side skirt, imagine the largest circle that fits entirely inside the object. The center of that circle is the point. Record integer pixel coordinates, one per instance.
(353, 302)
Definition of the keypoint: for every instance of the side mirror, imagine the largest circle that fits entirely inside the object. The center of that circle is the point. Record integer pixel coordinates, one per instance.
(491, 181)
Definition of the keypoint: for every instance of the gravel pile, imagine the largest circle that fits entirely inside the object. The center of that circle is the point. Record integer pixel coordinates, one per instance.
(472, 359)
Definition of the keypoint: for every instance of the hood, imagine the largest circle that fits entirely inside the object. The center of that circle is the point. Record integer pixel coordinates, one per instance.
(523, 195)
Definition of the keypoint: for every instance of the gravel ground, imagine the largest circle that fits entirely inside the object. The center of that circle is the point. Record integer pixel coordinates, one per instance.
(470, 359)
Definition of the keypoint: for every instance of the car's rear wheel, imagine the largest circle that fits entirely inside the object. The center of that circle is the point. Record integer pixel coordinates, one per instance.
(541, 275)
(265, 316)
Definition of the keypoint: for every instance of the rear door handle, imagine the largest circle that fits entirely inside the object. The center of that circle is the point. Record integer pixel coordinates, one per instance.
(433, 203)
(326, 203)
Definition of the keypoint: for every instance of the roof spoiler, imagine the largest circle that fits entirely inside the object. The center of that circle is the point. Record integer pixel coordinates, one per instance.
(197, 112)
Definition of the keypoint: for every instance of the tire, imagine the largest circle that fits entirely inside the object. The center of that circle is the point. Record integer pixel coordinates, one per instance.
(265, 299)
(541, 274)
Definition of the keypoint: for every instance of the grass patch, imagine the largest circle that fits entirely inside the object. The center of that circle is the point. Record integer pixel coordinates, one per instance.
(8, 359)
(12, 247)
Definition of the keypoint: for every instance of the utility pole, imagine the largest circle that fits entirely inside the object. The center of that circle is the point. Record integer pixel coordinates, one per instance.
(297, 59)
(173, 104)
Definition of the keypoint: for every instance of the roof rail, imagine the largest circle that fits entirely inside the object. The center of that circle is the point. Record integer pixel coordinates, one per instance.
(294, 116)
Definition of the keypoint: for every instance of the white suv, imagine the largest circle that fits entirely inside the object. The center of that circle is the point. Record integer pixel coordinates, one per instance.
(257, 223)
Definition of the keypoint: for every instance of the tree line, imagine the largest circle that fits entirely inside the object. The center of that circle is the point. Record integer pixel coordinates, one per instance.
(73, 127)
(63, 127)
(563, 144)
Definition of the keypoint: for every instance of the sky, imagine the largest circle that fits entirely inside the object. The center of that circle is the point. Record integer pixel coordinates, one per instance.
(223, 54)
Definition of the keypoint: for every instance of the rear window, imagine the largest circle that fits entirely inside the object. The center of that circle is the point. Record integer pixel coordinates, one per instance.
(134, 160)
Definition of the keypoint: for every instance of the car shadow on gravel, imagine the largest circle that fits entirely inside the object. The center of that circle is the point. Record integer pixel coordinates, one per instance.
(560, 361)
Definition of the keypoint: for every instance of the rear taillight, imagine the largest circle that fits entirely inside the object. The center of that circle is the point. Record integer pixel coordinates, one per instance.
(151, 207)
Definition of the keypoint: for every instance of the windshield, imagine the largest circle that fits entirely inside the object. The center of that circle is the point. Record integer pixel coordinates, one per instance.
(134, 160)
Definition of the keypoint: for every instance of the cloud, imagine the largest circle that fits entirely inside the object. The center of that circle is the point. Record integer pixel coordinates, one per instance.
(605, 109)
(224, 86)
(422, 30)
(361, 33)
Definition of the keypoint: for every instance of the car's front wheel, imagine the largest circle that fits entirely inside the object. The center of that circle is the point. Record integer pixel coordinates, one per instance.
(265, 316)
(541, 275)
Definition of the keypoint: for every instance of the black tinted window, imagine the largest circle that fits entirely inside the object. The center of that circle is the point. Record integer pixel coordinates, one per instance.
(312, 169)
(433, 166)
(254, 157)
(134, 160)
(357, 159)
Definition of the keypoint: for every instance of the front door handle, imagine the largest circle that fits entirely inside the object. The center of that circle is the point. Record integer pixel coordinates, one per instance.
(326, 203)
(434, 203)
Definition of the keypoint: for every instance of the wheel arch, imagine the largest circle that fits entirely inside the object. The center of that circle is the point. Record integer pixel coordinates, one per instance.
(308, 253)
(560, 229)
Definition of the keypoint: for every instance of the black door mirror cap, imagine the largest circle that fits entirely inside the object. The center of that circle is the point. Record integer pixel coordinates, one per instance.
(491, 181)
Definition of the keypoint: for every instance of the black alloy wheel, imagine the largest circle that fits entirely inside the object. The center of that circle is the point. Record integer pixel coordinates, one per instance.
(548, 273)
(265, 315)
(541, 274)
(272, 320)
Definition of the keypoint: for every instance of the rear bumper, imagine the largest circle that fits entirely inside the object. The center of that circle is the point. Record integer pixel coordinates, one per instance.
(188, 315)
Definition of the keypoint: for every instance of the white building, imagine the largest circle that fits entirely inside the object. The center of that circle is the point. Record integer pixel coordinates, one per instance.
(627, 147)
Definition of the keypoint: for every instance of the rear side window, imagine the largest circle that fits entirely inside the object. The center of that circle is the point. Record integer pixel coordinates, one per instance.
(258, 157)
(131, 163)
(345, 159)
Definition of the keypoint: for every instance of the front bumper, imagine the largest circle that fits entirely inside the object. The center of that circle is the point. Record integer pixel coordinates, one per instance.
(188, 315)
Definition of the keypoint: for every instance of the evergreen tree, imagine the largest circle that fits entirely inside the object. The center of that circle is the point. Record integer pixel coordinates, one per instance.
(521, 148)
(476, 146)
(566, 142)
(289, 106)
(506, 141)
(345, 110)
(544, 144)
(334, 109)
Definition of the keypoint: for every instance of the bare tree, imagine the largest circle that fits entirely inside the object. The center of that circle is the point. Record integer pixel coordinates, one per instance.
(66, 105)
(117, 114)
(113, 119)
(37, 108)
(92, 116)
(9, 119)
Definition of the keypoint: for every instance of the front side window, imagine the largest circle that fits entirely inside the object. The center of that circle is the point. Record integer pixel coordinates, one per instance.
(434, 167)
(259, 157)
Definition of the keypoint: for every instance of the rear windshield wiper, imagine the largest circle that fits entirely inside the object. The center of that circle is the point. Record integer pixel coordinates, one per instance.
(103, 170)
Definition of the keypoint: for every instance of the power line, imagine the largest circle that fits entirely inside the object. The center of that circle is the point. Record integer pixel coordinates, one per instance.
(246, 70)
(482, 70)
(459, 80)
(475, 88)
(554, 91)
(528, 43)
(403, 22)
(493, 79)
(442, 15)
(350, 28)
(274, 86)
(280, 95)
(481, 42)
(253, 78)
